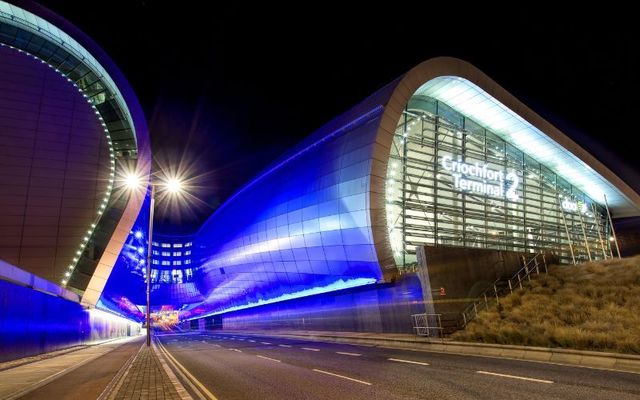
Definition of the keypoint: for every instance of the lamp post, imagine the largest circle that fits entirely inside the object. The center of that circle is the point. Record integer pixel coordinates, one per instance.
(151, 207)
(173, 186)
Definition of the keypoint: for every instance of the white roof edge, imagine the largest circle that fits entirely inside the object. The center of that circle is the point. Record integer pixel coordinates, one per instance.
(527, 130)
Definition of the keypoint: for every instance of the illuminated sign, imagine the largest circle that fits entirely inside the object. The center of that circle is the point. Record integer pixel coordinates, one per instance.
(574, 206)
(479, 178)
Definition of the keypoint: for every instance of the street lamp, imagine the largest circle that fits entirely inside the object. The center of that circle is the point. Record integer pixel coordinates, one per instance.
(173, 186)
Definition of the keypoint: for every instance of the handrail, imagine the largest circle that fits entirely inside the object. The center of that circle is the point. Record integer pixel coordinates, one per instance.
(495, 290)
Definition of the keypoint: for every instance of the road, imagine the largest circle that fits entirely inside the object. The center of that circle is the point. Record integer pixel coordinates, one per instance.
(234, 366)
(88, 381)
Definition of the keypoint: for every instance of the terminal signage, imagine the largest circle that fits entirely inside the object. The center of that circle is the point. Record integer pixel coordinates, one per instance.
(574, 206)
(479, 178)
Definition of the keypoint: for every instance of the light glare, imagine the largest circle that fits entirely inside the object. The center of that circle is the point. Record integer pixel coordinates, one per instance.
(173, 185)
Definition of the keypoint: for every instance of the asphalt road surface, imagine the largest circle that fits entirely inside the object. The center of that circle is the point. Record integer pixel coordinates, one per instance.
(234, 366)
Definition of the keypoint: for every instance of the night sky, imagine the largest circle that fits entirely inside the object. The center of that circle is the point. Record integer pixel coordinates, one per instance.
(228, 88)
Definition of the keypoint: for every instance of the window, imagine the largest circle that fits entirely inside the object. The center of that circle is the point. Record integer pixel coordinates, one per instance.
(166, 263)
(177, 262)
(177, 253)
(166, 244)
(166, 254)
(187, 261)
(155, 252)
(188, 244)
(176, 274)
(187, 253)
(155, 262)
(177, 245)
(155, 243)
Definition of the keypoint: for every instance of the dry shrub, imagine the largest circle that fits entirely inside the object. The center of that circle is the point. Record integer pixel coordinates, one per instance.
(592, 306)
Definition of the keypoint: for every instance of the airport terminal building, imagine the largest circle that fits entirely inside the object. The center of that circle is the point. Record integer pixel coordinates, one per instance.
(442, 160)
(441, 157)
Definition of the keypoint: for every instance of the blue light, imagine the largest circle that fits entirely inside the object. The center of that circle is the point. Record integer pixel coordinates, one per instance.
(338, 285)
(140, 249)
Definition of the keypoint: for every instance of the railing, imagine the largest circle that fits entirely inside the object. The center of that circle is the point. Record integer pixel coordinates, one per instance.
(501, 287)
(427, 324)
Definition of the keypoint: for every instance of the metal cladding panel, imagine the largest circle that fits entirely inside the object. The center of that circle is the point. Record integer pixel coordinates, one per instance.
(302, 228)
(54, 165)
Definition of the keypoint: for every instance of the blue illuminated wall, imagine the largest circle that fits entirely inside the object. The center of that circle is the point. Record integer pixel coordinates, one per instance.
(171, 285)
(300, 229)
(384, 307)
(125, 290)
(33, 322)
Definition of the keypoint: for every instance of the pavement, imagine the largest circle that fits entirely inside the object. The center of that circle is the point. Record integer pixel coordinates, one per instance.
(17, 381)
(146, 379)
(117, 370)
(242, 365)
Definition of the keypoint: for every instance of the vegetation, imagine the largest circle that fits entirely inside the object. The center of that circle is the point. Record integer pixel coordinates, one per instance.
(592, 306)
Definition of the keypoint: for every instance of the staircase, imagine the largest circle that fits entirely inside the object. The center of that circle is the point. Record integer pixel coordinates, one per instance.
(438, 325)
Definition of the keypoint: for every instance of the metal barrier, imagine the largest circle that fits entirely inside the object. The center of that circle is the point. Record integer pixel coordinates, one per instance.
(501, 287)
(427, 324)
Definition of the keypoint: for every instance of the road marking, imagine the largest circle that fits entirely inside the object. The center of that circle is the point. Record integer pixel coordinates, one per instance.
(284, 345)
(239, 351)
(268, 358)
(203, 389)
(310, 349)
(265, 342)
(342, 376)
(348, 354)
(252, 341)
(407, 361)
(514, 377)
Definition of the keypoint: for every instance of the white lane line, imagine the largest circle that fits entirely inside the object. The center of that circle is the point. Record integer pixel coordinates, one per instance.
(407, 361)
(284, 345)
(252, 341)
(268, 358)
(342, 376)
(310, 349)
(348, 354)
(265, 342)
(514, 377)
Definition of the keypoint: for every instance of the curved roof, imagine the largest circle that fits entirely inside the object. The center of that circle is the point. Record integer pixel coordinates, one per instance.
(471, 92)
(48, 37)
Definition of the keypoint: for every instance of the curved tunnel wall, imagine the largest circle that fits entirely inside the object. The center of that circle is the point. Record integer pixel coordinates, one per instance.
(302, 228)
(46, 39)
(54, 165)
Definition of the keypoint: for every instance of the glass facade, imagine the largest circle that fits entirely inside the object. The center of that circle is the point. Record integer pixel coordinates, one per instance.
(451, 181)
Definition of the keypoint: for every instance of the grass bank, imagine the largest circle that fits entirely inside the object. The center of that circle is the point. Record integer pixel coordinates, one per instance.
(592, 306)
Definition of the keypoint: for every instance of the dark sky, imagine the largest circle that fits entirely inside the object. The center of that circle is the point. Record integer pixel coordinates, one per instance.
(228, 88)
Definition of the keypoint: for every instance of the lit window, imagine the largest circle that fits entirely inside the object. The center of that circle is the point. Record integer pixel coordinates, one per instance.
(177, 262)
(187, 261)
(166, 244)
(177, 253)
(177, 245)
(166, 254)
(155, 262)
(155, 252)
(187, 244)
(155, 243)
(187, 253)
(166, 263)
